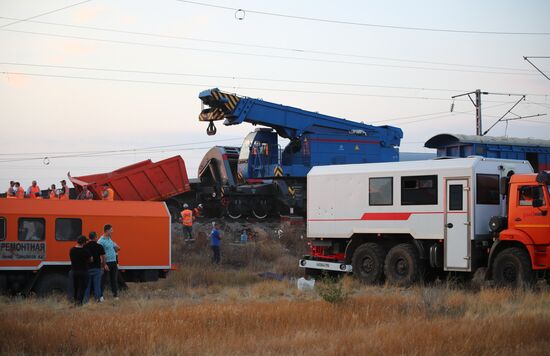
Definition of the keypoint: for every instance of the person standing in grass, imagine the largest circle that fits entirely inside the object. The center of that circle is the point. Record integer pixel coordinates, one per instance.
(80, 260)
(111, 265)
(96, 267)
(215, 240)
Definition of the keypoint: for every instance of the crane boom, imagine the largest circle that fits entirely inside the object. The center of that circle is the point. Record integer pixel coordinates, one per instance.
(289, 122)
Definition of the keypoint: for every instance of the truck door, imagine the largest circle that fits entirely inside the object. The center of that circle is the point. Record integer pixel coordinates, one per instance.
(457, 225)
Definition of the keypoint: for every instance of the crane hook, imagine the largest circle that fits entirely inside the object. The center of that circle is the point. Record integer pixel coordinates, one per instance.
(211, 129)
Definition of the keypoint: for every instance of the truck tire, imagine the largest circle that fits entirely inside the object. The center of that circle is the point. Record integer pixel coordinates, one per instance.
(368, 263)
(50, 283)
(402, 266)
(512, 269)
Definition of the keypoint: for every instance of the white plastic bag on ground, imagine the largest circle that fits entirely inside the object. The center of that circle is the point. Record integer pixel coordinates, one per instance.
(305, 284)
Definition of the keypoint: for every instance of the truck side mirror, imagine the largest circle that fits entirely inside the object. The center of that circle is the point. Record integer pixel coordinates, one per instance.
(504, 185)
(537, 203)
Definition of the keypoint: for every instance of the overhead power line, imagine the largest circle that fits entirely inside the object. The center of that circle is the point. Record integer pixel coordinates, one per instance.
(43, 14)
(251, 45)
(261, 79)
(109, 153)
(227, 88)
(117, 150)
(240, 14)
(270, 56)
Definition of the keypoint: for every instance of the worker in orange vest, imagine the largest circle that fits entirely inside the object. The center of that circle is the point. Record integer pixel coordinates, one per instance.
(53, 192)
(33, 189)
(19, 191)
(187, 221)
(108, 192)
(197, 211)
(10, 193)
(64, 195)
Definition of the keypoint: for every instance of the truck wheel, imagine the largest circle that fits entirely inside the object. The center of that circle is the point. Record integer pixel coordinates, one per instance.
(512, 269)
(368, 263)
(51, 283)
(402, 266)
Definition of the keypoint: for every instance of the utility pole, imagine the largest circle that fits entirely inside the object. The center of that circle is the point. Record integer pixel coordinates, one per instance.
(477, 105)
(478, 112)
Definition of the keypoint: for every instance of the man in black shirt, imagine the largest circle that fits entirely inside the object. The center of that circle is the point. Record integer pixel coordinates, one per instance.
(95, 272)
(80, 259)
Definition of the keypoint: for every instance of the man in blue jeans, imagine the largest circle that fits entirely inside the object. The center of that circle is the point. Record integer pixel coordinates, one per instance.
(95, 270)
(111, 266)
(215, 239)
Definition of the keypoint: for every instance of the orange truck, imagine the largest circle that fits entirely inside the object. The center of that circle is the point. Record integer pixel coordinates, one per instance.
(36, 236)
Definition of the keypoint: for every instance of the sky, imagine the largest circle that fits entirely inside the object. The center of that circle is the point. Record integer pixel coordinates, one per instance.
(124, 76)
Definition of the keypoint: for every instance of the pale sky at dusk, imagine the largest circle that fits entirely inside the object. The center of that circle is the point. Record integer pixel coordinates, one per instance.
(362, 73)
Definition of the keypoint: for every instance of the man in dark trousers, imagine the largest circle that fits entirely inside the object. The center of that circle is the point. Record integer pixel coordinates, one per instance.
(111, 266)
(215, 239)
(96, 267)
(80, 259)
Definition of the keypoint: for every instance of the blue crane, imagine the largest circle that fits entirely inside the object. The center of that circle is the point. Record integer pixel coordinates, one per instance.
(315, 139)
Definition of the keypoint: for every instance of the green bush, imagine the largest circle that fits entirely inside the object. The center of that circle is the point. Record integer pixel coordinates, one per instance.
(332, 290)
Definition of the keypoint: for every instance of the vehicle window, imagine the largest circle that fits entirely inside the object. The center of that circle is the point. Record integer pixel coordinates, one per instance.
(381, 191)
(528, 193)
(2, 228)
(67, 229)
(455, 197)
(31, 229)
(487, 191)
(419, 190)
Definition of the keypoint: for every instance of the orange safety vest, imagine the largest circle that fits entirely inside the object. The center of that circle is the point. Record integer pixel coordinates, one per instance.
(8, 195)
(20, 194)
(196, 212)
(33, 191)
(65, 195)
(187, 217)
(110, 194)
(52, 195)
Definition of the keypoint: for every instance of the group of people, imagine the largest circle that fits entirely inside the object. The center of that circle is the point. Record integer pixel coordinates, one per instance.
(16, 191)
(94, 261)
(188, 216)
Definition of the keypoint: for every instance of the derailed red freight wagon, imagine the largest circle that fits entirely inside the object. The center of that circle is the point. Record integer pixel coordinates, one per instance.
(165, 180)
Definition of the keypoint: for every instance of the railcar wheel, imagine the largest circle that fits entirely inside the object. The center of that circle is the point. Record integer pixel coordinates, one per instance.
(260, 210)
(368, 263)
(512, 269)
(234, 210)
(402, 266)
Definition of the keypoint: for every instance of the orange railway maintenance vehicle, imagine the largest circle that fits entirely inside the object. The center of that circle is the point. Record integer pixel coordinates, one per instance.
(36, 236)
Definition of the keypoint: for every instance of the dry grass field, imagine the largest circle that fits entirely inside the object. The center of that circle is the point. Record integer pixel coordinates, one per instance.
(231, 310)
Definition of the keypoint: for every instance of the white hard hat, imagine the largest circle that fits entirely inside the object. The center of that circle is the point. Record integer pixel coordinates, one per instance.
(185, 206)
